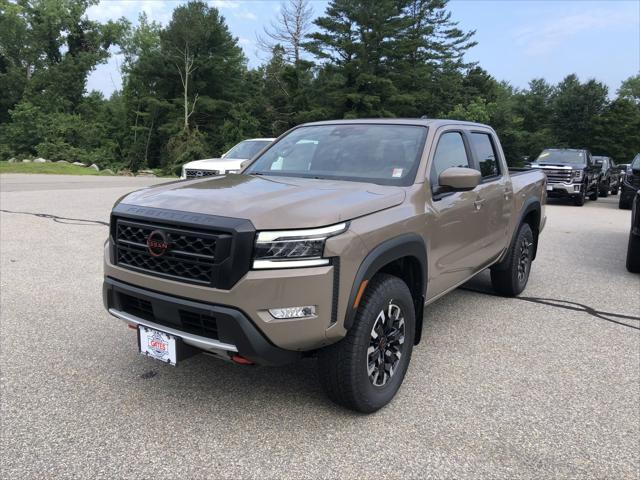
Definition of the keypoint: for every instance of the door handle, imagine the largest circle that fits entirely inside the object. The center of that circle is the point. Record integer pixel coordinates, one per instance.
(478, 203)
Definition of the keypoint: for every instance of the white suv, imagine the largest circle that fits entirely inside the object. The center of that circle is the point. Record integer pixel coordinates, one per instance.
(228, 163)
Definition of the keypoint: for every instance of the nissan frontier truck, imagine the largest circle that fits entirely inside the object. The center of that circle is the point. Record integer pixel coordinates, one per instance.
(331, 243)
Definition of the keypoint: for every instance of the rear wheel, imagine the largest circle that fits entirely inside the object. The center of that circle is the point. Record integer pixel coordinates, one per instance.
(365, 369)
(614, 190)
(593, 196)
(604, 191)
(633, 254)
(623, 203)
(511, 280)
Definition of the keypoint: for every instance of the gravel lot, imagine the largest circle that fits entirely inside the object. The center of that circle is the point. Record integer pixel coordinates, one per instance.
(536, 387)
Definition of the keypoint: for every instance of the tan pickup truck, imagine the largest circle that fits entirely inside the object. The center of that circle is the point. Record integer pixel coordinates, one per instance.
(330, 243)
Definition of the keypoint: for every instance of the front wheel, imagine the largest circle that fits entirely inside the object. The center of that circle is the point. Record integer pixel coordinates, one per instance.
(365, 369)
(511, 279)
(604, 191)
(593, 196)
(579, 199)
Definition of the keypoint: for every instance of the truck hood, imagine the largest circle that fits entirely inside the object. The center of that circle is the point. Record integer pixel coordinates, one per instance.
(215, 164)
(271, 202)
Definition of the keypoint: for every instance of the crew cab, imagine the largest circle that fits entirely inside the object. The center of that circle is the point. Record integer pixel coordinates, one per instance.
(571, 174)
(230, 162)
(330, 243)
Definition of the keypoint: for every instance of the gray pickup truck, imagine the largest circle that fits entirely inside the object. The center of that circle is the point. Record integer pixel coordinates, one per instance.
(330, 243)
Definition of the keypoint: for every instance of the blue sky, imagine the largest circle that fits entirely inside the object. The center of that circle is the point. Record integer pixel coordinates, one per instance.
(517, 39)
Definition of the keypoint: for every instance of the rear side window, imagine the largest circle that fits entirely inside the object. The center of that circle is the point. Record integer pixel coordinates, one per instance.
(450, 152)
(485, 152)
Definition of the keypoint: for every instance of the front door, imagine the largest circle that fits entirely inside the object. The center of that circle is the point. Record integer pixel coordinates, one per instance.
(456, 228)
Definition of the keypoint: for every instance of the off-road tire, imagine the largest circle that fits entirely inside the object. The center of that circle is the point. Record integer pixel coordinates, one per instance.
(604, 192)
(579, 199)
(624, 204)
(614, 191)
(633, 253)
(343, 366)
(593, 196)
(507, 281)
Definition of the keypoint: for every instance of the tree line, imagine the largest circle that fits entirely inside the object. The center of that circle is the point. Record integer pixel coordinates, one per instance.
(187, 92)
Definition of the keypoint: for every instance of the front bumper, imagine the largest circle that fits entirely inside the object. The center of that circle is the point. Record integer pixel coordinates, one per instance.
(563, 189)
(215, 329)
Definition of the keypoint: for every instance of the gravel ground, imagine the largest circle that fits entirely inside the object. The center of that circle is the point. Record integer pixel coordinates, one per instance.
(534, 387)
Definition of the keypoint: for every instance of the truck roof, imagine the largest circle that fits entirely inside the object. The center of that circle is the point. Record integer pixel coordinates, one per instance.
(427, 122)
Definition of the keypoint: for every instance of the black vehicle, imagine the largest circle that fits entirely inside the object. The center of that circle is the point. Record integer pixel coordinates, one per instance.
(630, 183)
(610, 176)
(633, 250)
(571, 173)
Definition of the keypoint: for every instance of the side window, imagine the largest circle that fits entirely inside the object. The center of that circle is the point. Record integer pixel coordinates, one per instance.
(486, 154)
(450, 152)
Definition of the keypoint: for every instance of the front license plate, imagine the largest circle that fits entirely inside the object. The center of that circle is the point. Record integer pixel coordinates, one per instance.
(158, 345)
(549, 188)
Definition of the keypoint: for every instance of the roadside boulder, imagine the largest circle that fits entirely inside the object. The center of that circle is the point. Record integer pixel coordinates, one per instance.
(108, 171)
(41, 160)
(62, 161)
(26, 160)
(95, 167)
(79, 164)
(13, 160)
(145, 173)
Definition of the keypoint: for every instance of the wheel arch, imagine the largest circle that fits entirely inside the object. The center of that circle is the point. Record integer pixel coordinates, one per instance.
(404, 256)
(530, 214)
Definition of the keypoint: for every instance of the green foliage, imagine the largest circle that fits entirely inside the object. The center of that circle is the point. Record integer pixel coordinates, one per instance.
(187, 92)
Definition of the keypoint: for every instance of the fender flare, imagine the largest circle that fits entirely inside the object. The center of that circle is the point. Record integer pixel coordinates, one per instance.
(531, 205)
(406, 245)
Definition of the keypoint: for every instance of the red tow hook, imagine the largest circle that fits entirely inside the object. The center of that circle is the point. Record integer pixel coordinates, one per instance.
(239, 359)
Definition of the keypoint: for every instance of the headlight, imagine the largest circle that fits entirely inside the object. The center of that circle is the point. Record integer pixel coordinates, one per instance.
(293, 248)
(233, 171)
(577, 175)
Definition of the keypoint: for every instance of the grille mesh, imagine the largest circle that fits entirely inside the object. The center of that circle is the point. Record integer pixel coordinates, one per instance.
(191, 255)
(192, 173)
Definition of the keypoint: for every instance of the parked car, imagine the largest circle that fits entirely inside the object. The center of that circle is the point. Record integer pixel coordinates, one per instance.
(633, 249)
(571, 174)
(230, 162)
(609, 176)
(630, 183)
(329, 244)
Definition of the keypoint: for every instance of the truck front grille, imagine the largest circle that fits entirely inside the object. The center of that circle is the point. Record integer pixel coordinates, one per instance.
(558, 175)
(193, 173)
(191, 256)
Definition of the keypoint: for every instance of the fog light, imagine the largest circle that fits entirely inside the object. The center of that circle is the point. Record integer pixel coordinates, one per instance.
(293, 312)
(576, 188)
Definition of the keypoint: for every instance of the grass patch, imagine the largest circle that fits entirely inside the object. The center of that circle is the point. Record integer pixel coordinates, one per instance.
(51, 168)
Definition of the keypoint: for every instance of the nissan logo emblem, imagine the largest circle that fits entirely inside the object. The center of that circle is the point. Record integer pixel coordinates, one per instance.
(157, 243)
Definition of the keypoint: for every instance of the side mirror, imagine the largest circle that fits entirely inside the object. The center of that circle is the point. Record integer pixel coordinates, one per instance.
(460, 179)
(244, 163)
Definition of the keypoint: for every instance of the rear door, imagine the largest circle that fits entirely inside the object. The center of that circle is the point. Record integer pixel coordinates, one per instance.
(494, 194)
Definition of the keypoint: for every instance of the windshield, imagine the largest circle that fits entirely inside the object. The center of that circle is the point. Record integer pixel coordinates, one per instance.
(575, 157)
(635, 164)
(383, 154)
(247, 149)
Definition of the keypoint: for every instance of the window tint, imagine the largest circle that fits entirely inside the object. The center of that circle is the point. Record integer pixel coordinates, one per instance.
(636, 162)
(486, 154)
(450, 152)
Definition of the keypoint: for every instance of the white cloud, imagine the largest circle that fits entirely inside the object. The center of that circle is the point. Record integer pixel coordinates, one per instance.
(224, 3)
(246, 15)
(542, 38)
